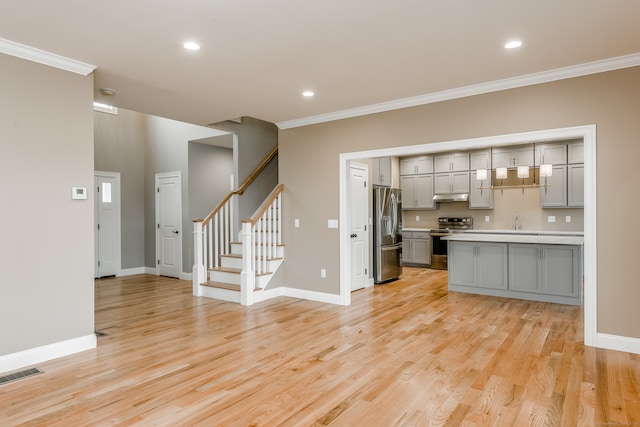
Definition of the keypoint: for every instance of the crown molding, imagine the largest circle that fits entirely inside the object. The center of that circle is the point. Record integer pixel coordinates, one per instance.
(482, 88)
(43, 57)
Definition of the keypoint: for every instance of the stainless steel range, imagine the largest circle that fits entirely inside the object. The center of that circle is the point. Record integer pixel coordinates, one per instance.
(446, 226)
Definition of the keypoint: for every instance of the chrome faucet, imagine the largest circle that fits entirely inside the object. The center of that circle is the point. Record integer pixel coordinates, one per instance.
(516, 225)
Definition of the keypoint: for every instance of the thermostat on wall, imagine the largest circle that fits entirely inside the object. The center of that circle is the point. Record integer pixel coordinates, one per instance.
(79, 193)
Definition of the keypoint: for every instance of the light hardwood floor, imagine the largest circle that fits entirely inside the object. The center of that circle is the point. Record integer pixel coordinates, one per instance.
(407, 353)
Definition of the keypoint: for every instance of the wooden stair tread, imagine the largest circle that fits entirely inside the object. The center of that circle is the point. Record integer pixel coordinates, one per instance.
(236, 271)
(227, 286)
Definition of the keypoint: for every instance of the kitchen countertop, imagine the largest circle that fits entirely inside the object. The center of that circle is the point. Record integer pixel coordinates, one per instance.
(517, 238)
(528, 232)
(416, 229)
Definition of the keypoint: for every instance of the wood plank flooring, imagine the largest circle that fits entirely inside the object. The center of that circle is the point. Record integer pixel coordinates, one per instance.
(407, 353)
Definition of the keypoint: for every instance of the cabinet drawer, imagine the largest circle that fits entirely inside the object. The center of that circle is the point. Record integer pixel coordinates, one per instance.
(420, 234)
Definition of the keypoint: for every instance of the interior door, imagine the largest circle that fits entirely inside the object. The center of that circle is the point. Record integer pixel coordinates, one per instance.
(358, 225)
(169, 224)
(107, 224)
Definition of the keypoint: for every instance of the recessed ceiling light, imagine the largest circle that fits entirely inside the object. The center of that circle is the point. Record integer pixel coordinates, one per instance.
(308, 93)
(513, 44)
(191, 46)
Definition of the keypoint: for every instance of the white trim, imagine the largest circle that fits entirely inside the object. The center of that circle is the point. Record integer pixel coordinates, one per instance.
(618, 343)
(41, 354)
(46, 58)
(365, 168)
(587, 133)
(132, 271)
(186, 276)
(284, 291)
(150, 270)
(595, 67)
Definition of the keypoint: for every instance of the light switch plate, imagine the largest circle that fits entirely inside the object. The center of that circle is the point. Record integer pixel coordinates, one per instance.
(296, 223)
(332, 223)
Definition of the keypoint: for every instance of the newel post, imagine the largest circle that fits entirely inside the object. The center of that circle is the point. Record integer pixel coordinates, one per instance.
(198, 257)
(247, 277)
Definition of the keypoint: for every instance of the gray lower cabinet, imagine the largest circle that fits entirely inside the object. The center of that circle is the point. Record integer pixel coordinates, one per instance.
(550, 273)
(416, 248)
(478, 264)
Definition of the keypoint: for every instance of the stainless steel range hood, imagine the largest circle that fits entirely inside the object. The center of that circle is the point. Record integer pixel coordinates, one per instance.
(451, 197)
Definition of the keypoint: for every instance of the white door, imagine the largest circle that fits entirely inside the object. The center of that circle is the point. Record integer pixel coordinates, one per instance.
(169, 224)
(358, 233)
(107, 224)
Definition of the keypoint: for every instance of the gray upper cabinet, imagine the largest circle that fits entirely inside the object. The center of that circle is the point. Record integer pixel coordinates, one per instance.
(575, 152)
(480, 192)
(381, 174)
(555, 154)
(575, 186)
(554, 194)
(416, 165)
(451, 162)
(454, 182)
(480, 159)
(417, 191)
(512, 156)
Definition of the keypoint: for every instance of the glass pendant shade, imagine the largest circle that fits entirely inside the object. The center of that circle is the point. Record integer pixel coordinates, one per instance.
(546, 170)
(523, 172)
(481, 174)
(501, 173)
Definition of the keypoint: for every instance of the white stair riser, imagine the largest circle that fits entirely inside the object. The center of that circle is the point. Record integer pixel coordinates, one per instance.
(231, 262)
(236, 249)
(224, 277)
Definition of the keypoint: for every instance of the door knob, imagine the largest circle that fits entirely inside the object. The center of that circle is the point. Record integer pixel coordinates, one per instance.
(354, 235)
(175, 232)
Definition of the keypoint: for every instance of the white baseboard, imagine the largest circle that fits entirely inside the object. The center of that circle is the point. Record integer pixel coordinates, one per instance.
(11, 362)
(132, 271)
(186, 276)
(618, 343)
(297, 293)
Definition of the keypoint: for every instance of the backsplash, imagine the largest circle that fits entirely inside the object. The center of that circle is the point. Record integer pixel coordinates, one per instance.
(502, 217)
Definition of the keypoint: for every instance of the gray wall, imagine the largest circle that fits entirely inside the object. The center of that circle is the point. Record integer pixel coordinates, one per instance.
(166, 150)
(119, 147)
(46, 255)
(256, 138)
(309, 170)
(210, 168)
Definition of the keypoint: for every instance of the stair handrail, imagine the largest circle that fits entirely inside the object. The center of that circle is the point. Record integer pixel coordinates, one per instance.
(265, 205)
(240, 190)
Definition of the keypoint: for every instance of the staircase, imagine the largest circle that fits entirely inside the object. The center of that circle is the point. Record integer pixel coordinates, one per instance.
(238, 270)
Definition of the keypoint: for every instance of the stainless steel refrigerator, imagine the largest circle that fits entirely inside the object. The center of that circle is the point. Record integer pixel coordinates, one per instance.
(387, 233)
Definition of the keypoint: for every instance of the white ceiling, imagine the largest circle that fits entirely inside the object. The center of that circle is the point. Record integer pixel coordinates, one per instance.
(258, 56)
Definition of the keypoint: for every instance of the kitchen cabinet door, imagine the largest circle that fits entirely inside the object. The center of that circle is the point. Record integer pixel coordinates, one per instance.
(416, 165)
(555, 154)
(455, 182)
(561, 270)
(462, 263)
(480, 160)
(524, 267)
(512, 156)
(451, 162)
(417, 192)
(480, 198)
(491, 265)
(381, 174)
(575, 186)
(408, 187)
(575, 152)
(555, 194)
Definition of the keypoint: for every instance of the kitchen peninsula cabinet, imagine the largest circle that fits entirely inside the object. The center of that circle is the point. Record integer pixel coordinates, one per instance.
(478, 264)
(531, 267)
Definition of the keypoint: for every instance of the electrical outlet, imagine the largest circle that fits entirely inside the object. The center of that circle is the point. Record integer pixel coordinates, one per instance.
(551, 218)
(486, 218)
(296, 223)
(323, 273)
(567, 218)
(417, 217)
